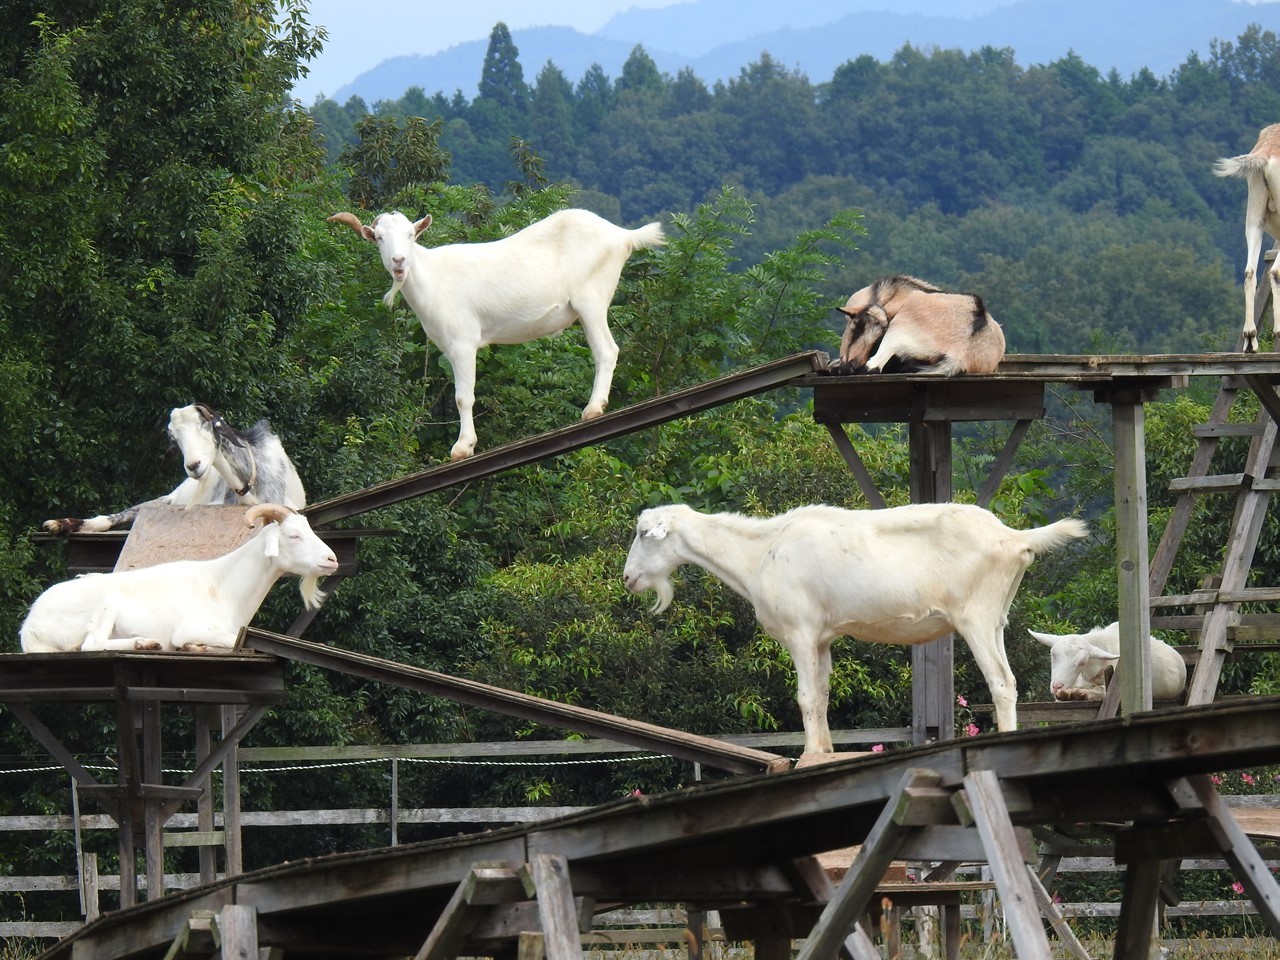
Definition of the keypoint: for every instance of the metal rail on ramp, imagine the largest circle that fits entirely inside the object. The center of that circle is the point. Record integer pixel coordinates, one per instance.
(707, 751)
(638, 416)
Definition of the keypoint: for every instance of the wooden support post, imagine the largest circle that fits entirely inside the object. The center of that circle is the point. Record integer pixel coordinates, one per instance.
(231, 796)
(846, 908)
(152, 818)
(1128, 422)
(933, 694)
(986, 803)
(235, 932)
(561, 936)
(1198, 793)
(1138, 910)
(204, 720)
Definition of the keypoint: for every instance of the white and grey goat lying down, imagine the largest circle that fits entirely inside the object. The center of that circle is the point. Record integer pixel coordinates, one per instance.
(223, 466)
(189, 605)
(534, 283)
(1079, 661)
(1260, 168)
(900, 324)
(903, 575)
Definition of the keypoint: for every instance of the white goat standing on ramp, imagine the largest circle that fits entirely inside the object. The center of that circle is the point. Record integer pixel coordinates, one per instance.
(902, 575)
(532, 284)
(902, 324)
(1260, 168)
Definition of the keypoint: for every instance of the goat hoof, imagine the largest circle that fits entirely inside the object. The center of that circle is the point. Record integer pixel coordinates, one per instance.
(147, 645)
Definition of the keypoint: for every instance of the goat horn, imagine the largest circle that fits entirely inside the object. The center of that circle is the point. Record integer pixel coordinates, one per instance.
(350, 219)
(266, 511)
(206, 412)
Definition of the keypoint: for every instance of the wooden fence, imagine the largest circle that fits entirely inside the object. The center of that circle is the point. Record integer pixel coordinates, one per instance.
(83, 886)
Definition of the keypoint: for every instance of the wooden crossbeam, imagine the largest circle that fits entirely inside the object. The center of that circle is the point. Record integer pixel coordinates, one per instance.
(560, 934)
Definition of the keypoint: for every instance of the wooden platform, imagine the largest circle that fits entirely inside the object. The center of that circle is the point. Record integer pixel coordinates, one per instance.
(744, 846)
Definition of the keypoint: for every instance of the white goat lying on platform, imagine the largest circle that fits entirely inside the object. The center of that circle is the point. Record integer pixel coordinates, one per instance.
(1079, 663)
(901, 324)
(903, 575)
(224, 466)
(1260, 168)
(185, 604)
(532, 284)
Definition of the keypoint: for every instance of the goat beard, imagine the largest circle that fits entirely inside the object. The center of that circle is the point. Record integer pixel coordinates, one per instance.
(665, 593)
(312, 595)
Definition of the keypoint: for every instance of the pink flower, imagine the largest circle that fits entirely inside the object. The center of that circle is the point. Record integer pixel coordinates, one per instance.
(961, 701)
(1215, 779)
(878, 748)
(636, 792)
(1247, 778)
(1238, 887)
(972, 730)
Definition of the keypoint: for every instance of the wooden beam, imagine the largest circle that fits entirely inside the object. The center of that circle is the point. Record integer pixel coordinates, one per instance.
(845, 909)
(1138, 910)
(483, 885)
(815, 881)
(1198, 793)
(235, 931)
(1013, 879)
(866, 483)
(1001, 466)
(1132, 564)
(562, 939)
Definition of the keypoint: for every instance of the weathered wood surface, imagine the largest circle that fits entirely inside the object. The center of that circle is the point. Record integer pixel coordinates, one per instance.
(732, 840)
(706, 750)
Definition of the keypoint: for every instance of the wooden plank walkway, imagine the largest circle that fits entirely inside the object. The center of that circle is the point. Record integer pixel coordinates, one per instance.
(748, 842)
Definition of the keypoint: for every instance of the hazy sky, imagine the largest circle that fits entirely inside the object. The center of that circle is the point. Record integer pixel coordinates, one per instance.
(363, 33)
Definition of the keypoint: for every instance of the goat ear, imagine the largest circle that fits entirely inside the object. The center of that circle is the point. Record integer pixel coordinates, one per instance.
(272, 538)
(658, 531)
(421, 225)
(1048, 639)
(1099, 654)
(847, 313)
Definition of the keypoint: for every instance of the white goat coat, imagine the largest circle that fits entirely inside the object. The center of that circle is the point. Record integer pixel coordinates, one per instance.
(1260, 169)
(903, 575)
(183, 603)
(1078, 664)
(532, 284)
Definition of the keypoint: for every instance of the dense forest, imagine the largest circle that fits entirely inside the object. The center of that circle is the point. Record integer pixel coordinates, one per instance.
(167, 242)
(1082, 206)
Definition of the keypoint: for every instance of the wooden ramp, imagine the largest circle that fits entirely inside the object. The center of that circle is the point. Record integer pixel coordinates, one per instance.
(716, 754)
(639, 416)
(747, 846)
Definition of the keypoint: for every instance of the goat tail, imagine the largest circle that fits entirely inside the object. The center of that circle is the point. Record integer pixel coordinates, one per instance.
(1242, 166)
(1051, 536)
(650, 235)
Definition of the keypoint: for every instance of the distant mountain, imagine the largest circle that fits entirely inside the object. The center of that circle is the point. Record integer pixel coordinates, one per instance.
(820, 35)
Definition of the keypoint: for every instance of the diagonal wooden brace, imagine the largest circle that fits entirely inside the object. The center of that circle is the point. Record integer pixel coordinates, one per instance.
(1198, 793)
(990, 814)
(896, 821)
(483, 886)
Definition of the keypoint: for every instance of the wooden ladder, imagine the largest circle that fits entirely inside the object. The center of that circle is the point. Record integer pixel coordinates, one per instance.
(1216, 617)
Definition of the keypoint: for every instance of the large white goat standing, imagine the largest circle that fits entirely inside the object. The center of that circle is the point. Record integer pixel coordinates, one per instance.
(532, 284)
(1260, 168)
(183, 604)
(902, 575)
(223, 466)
